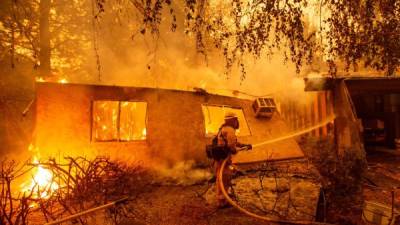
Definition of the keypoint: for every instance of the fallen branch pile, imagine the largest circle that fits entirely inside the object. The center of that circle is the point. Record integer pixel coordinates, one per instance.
(13, 209)
(80, 183)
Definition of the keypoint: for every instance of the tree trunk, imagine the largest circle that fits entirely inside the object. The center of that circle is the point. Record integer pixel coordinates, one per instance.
(12, 24)
(44, 36)
(391, 69)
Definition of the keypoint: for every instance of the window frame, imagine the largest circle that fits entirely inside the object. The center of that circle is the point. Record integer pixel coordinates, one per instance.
(93, 140)
(225, 106)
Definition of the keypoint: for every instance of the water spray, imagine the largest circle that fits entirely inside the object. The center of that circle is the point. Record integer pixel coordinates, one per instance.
(297, 133)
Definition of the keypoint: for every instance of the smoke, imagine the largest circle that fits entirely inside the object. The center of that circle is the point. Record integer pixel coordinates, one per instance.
(128, 58)
(182, 173)
(173, 66)
(171, 62)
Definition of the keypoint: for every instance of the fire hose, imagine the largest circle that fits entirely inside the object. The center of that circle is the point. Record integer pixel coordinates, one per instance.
(264, 218)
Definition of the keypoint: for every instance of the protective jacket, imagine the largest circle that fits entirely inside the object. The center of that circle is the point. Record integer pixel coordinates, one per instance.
(228, 137)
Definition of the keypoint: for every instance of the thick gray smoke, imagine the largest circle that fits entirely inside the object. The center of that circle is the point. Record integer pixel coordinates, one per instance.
(171, 62)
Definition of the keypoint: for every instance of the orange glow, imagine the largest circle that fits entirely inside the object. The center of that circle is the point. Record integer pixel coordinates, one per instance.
(144, 134)
(42, 184)
(40, 79)
(63, 81)
(113, 120)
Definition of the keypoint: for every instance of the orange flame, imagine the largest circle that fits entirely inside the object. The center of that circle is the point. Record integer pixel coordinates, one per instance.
(63, 81)
(144, 133)
(40, 79)
(42, 184)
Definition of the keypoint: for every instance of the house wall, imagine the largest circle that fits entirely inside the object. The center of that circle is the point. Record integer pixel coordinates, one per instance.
(175, 124)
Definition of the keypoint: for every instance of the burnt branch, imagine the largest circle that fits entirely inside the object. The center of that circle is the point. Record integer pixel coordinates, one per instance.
(74, 186)
(87, 183)
(13, 209)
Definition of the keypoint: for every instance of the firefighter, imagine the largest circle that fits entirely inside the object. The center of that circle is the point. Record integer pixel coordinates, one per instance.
(227, 137)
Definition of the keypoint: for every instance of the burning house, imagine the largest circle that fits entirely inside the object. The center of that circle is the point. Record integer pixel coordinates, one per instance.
(171, 126)
(59, 60)
(163, 126)
(147, 123)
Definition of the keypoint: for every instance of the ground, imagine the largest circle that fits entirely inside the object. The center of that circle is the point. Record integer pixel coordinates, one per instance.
(171, 205)
(186, 205)
(285, 191)
(283, 195)
(182, 205)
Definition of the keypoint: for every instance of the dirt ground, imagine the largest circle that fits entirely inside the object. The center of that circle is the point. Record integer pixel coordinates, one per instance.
(183, 205)
(165, 205)
(164, 202)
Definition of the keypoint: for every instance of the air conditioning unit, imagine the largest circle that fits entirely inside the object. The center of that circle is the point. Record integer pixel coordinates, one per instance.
(264, 107)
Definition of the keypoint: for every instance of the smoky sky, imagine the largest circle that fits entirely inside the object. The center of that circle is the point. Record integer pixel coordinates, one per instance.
(170, 61)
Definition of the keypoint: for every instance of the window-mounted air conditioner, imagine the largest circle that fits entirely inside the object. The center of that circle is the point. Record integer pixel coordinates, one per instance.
(264, 107)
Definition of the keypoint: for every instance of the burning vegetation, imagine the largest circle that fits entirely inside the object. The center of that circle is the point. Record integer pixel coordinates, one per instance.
(55, 190)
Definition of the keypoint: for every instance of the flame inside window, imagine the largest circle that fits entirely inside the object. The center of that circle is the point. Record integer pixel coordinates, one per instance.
(105, 120)
(119, 121)
(132, 121)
